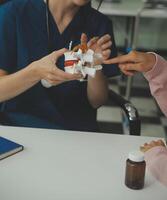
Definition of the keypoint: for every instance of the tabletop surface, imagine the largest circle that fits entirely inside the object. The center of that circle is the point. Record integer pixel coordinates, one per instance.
(66, 165)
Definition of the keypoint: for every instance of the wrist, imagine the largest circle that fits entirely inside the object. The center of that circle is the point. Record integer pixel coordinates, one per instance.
(151, 61)
(98, 75)
(34, 71)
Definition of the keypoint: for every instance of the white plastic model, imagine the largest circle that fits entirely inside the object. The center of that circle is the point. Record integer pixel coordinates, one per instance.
(85, 63)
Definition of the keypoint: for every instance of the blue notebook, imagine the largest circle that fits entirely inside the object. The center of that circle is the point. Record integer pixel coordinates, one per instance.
(8, 148)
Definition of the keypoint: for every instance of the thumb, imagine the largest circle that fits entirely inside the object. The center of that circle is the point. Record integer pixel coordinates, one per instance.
(56, 54)
(84, 38)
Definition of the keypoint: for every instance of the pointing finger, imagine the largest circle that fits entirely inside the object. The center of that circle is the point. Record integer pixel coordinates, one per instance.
(56, 54)
(119, 59)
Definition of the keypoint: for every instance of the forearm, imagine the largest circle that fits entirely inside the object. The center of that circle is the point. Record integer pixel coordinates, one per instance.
(158, 82)
(16, 83)
(97, 89)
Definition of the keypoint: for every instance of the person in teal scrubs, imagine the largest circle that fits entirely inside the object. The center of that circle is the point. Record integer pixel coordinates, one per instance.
(28, 55)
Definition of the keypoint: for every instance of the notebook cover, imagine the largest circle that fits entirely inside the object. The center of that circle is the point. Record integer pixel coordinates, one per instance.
(8, 147)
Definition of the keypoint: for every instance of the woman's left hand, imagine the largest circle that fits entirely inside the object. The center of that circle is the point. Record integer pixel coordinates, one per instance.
(97, 87)
(100, 45)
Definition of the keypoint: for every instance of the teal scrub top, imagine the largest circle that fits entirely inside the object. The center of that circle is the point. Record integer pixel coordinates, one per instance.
(24, 39)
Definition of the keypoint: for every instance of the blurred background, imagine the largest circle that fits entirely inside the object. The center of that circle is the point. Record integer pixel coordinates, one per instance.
(141, 25)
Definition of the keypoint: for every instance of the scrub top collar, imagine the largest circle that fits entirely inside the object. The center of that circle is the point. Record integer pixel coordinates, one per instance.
(62, 39)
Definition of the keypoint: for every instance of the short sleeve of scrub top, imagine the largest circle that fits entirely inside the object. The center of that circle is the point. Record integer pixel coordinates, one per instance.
(24, 39)
(8, 54)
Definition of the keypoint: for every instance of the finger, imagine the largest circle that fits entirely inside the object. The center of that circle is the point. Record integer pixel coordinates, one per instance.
(128, 73)
(153, 143)
(148, 147)
(84, 38)
(92, 41)
(106, 54)
(63, 78)
(76, 48)
(119, 59)
(142, 148)
(106, 45)
(56, 54)
(55, 82)
(104, 39)
(66, 76)
(132, 67)
(161, 142)
(52, 78)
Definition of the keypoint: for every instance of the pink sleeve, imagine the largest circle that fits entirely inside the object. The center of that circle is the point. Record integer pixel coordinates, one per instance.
(157, 78)
(156, 161)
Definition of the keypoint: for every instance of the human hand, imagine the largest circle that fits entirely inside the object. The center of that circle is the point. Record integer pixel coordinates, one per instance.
(152, 144)
(134, 62)
(98, 45)
(101, 45)
(47, 69)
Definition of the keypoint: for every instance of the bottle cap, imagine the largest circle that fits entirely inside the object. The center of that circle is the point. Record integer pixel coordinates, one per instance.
(136, 156)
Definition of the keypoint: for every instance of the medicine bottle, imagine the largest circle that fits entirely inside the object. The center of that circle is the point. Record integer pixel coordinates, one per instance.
(135, 170)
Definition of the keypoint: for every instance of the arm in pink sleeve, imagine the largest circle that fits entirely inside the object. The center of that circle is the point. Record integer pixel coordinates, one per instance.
(157, 78)
(156, 161)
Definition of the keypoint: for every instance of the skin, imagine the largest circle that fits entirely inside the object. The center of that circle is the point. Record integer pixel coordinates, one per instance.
(45, 68)
(63, 11)
(97, 89)
(151, 145)
(134, 62)
(14, 84)
(137, 62)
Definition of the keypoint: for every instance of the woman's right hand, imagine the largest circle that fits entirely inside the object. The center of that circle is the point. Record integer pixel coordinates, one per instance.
(134, 62)
(47, 69)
